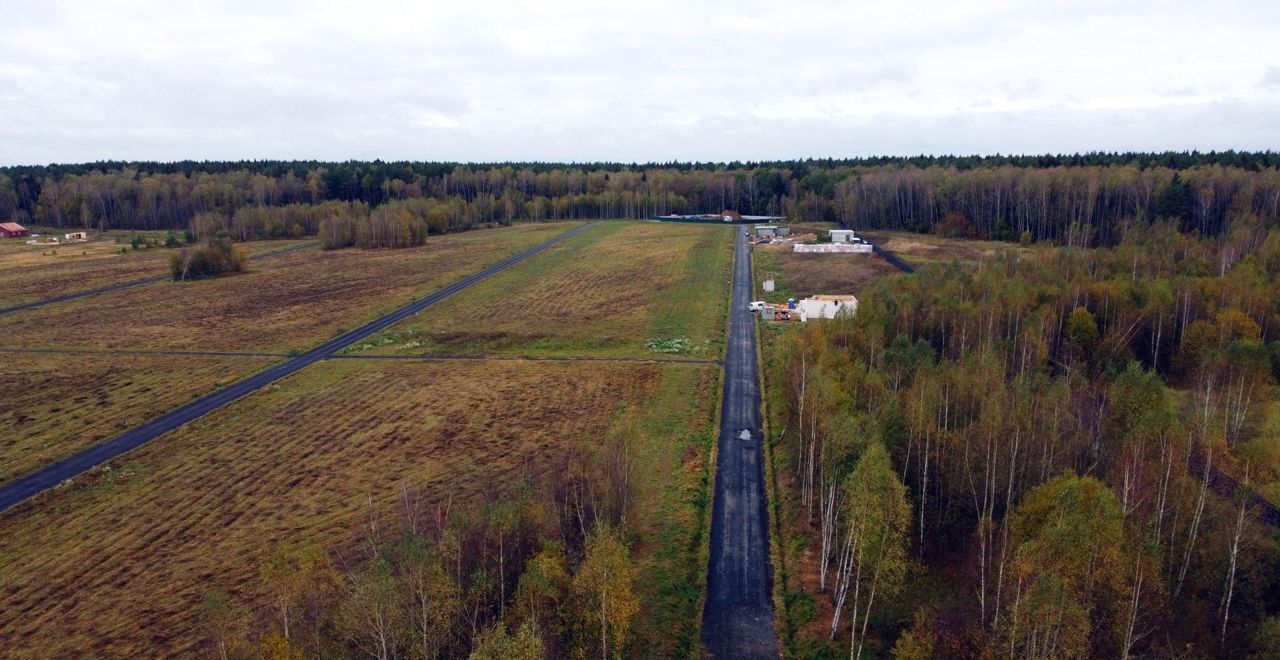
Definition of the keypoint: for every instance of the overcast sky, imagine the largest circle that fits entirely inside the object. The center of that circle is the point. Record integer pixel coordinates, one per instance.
(470, 80)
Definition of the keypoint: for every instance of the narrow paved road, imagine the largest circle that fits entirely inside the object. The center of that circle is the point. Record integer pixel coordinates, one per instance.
(738, 619)
(33, 484)
(135, 283)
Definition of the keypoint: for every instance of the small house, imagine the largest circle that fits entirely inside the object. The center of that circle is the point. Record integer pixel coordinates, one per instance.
(783, 231)
(766, 231)
(827, 307)
(77, 236)
(843, 236)
(12, 230)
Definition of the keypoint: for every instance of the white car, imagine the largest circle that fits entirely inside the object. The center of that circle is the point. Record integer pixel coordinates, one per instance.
(757, 306)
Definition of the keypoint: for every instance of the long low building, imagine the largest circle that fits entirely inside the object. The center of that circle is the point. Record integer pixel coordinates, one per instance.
(846, 248)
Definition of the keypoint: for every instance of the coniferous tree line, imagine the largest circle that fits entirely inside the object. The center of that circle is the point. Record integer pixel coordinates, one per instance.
(1068, 453)
(1088, 199)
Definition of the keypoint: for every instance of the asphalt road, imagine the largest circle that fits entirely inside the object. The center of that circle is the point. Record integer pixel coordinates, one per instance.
(134, 283)
(46, 478)
(737, 621)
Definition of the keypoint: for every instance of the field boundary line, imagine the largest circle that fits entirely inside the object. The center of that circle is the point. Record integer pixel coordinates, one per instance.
(51, 476)
(135, 283)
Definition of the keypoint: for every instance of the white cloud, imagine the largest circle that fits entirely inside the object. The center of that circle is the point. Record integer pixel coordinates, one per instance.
(657, 80)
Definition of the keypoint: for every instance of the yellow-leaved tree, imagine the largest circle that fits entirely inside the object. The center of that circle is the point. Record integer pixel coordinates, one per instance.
(1069, 570)
(605, 583)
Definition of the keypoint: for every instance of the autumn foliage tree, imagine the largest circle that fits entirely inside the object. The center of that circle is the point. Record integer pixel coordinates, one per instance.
(1069, 575)
(216, 256)
(1083, 436)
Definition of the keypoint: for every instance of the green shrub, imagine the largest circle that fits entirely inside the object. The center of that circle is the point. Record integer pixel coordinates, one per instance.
(217, 256)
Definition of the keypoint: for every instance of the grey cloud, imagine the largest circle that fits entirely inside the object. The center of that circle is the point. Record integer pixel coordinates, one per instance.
(577, 80)
(1271, 79)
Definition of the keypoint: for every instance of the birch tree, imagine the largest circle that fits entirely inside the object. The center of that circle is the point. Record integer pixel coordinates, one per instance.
(872, 560)
(1070, 546)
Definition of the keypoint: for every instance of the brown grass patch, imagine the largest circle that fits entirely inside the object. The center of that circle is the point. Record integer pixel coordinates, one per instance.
(293, 301)
(29, 273)
(925, 249)
(56, 405)
(805, 275)
(116, 564)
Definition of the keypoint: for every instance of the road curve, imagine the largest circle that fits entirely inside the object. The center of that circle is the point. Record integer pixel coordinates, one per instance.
(737, 621)
(135, 283)
(48, 477)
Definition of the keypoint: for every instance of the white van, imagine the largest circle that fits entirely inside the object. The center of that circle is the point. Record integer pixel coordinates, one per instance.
(757, 306)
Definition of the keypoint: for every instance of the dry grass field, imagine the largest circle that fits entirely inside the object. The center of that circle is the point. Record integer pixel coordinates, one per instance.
(56, 405)
(927, 249)
(115, 564)
(802, 275)
(30, 273)
(286, 303)
(610, 291)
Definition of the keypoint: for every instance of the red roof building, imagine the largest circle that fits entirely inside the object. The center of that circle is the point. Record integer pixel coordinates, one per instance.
(12, 230)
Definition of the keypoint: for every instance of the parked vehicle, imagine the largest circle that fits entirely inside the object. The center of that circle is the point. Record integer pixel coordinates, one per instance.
(757, 306)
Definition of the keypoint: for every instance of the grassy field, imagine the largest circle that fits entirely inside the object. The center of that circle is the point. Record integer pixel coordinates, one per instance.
(30, 273)
(802, 275)
(56, 405)
(619, 289)
(286, 303)
(116, 563)
(927, 249)
(677, 430)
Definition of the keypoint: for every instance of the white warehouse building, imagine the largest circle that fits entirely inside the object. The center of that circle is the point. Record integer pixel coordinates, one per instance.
(827, 307)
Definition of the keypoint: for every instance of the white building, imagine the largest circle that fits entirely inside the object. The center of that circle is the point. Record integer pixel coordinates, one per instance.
(843, 236)
(833, 248)
(766, 231)
(827, 307)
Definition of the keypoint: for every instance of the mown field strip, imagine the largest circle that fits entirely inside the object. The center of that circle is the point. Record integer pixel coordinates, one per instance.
(613, 293)
(136, 283)
(55, 474)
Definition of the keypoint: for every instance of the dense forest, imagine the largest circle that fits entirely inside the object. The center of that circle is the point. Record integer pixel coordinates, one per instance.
(1089, 199)
(1063, 452)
